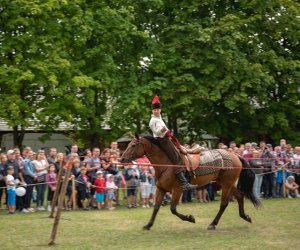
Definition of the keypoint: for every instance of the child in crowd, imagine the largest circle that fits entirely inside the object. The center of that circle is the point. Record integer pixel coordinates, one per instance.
(110, 191)
(51, 183)
(11, 190)
(281, 177)
(202, 194)
(99, 185)
(292, 187)
(145, 178)
(83, 188)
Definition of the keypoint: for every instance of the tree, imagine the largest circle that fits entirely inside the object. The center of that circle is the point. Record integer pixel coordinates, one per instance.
(35, 72)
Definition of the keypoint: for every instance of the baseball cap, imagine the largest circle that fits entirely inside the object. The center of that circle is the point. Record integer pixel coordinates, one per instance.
(11, 151)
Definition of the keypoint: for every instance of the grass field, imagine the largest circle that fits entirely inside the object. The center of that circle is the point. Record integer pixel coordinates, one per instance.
(275, 226)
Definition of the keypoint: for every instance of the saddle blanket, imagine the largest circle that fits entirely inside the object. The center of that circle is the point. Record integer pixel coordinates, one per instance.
(212, 161)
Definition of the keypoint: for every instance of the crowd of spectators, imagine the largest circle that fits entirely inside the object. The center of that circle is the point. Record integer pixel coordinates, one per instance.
(273, 166)
(102, 182)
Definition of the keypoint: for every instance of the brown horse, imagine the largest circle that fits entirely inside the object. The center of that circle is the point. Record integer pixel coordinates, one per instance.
(166, 180)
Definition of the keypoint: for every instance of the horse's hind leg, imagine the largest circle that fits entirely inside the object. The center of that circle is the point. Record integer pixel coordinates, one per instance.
(240, 198)
(224, 203)
(158, 201)
(175, 199)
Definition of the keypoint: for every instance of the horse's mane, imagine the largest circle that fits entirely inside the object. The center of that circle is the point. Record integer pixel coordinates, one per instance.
(151, 139)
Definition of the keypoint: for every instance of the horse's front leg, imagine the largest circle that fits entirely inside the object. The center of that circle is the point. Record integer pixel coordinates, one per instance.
(176, 194)
(159, 195)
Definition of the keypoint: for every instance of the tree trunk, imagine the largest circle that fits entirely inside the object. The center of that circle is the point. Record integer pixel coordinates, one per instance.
(18, 136)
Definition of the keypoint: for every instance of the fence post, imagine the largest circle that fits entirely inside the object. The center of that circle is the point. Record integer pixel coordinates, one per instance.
(60, 203)
(73, 193)
(58, 188)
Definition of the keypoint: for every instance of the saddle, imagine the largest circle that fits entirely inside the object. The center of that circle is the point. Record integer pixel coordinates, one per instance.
(214, 158)
(195, 149)
(191, 157)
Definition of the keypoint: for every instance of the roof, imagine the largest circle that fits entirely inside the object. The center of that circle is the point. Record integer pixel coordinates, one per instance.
(62, 126)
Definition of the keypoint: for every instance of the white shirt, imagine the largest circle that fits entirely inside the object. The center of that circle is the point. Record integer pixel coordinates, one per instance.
(38, 165)
(156, 124)
(11, 181)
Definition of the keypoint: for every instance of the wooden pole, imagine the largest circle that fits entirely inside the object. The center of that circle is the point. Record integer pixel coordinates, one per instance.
(73, 193)
(59, 206)
(58, 188)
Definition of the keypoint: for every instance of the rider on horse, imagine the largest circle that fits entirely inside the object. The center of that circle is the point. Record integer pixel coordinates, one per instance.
(165, 138)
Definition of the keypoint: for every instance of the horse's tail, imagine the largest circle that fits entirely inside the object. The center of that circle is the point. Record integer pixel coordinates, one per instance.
(246, 181)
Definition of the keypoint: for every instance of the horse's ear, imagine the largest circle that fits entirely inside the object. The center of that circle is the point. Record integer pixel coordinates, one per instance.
(137, 136)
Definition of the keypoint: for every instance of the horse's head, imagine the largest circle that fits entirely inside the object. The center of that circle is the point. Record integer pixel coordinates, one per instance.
(134, 150)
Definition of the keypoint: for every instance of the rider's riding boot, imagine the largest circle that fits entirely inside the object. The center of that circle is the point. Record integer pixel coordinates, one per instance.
(184, 183)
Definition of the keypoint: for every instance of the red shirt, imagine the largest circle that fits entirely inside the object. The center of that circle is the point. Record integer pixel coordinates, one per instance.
(100, 185)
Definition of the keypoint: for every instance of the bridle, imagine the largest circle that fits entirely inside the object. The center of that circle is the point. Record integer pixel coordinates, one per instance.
(137, 142)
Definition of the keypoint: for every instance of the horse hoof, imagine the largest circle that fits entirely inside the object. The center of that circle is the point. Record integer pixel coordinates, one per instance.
(146, 227)
(247, 218)
(191, 218)
(211, 227)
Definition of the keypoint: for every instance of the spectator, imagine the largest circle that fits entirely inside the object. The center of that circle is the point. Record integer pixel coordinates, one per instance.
(297, 164)
(291, 187)
(59, 160)
(73, 151)
(247, 148)
(99, 185)
(19, 158)
(87, 156)
(257, 164)
(281, 177)
(83, 188)
(119, 178)
(51, 179)
(93, 164)
(41, 167)
(268, 178)
(11, 190)
(247, 156)
(145, 178)
(30, 177)
(110, 191)
(131, 177)
(153, 186)
(75, 172)
(25, 152)
(52, 156)
(114, 148)
(17, 174)
(232, 145)
(3, 159)
(202, 193)
(106, 163)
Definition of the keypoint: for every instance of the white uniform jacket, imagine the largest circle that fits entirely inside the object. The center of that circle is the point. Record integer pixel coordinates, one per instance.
(156, 124)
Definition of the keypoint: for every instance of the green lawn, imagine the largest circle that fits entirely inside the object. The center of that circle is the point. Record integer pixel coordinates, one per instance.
(275, 226)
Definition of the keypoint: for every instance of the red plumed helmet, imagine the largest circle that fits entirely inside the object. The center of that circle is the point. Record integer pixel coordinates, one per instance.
(156, 103)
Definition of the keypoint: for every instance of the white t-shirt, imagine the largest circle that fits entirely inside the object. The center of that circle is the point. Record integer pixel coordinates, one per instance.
(11, 181)
(296, 160)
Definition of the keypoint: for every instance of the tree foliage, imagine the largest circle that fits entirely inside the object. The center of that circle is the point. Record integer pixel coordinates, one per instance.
(230, 68)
